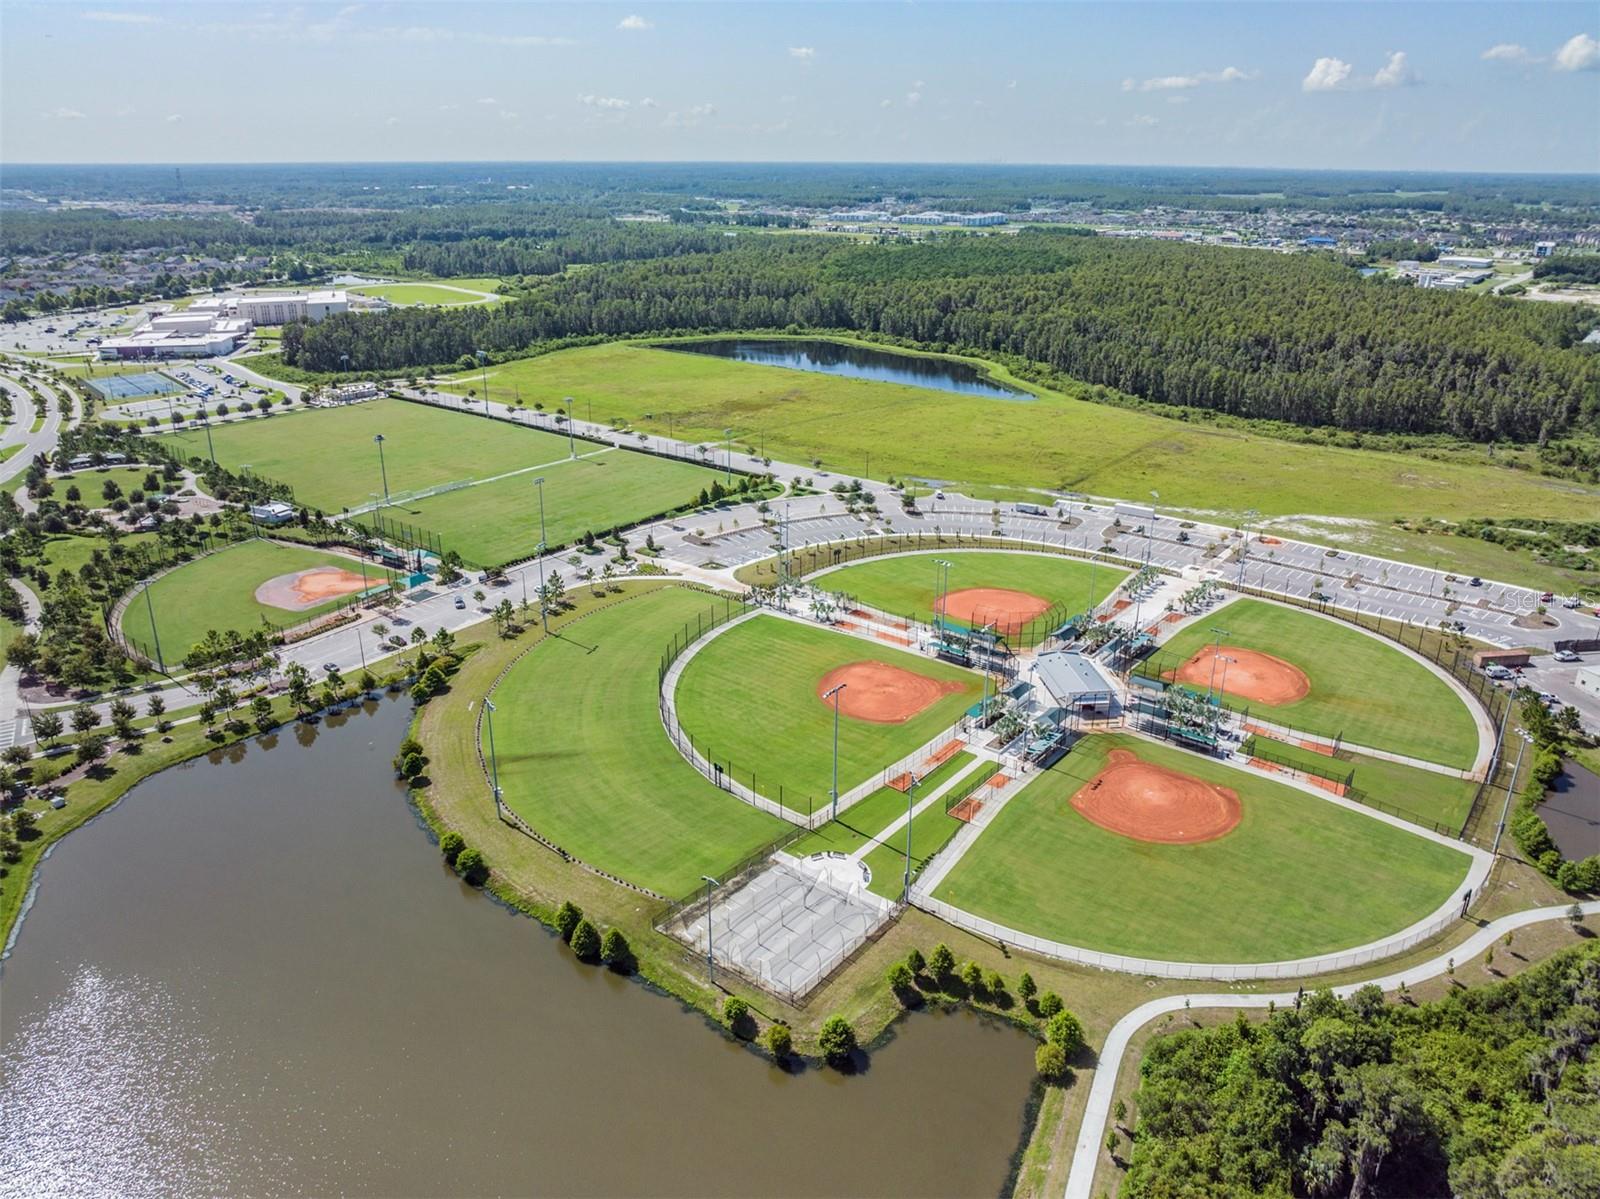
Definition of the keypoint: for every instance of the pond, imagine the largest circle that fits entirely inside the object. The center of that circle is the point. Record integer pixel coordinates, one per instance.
(856, 362)
(255, 975)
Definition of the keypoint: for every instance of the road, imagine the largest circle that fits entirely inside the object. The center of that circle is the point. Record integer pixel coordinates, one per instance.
(21, 432)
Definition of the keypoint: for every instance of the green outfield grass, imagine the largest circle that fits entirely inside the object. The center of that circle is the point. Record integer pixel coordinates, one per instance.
(70, 551)
(91, 483)
(750, 700)
(868, 817)
(1298, 876)
(329, 458)
(497, 522)
(585, 760)
(931, 830)
(218, 592)
(1370, 693)
(1420, 795)
(1057, 441)
(419, 293)
(903, 584)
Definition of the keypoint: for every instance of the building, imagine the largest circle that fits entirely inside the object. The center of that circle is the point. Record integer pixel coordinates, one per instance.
(1073, 681)
(974, 220)
(281, 309)
(273, 512)
(204, 334)
(1319, 241)
(1588, 679)
(1543, 249)
(1464, 262)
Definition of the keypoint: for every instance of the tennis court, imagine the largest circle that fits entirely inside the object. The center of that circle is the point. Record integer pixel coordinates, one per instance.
(114, 388)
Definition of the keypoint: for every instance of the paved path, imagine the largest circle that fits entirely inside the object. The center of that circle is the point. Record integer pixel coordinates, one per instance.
(33, 442)
(13, 720)
(1092, 1131)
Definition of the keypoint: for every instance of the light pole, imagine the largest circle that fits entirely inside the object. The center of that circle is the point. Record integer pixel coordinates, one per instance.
(205, 420)
(1244, 550)
(494, 761)
(911, 791)
(942, 573)
(727, 450)
(1211, 683)
(572, 447)
(383, 469)
(711, 961)
(151, 612)
(483, 365)
(1216, 704)
(1148, 528)
(1511, 788)
(834, 696)
(544, 617)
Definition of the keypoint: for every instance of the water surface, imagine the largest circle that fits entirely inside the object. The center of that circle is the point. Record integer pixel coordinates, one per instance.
(856, 362)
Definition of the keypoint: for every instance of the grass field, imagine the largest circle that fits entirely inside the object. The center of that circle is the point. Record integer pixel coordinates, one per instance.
(91, 483)
(69, 551)
(1298, 876)
(904, 584)
(1421, 795)
(421, 293)
(493, 523)
(218, 592)
(329, 458)
(1057, 442)
(1362, 689)
(585, 760)
(931, 830)
(750, 700)
(866, 818)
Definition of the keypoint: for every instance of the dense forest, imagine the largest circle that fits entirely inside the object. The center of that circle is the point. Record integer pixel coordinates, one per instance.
(1490, 1093)
(1569, 268)
(1296, 338)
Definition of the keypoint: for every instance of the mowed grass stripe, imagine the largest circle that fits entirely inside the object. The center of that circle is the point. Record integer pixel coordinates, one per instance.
(866, 818)
(931, 830)
(489, 524)
(1298, 875)
(750, 699)
(585, 760)
(329, 458)
(1416, 794)
(1368, 692)
(218, 592)
(904, 584)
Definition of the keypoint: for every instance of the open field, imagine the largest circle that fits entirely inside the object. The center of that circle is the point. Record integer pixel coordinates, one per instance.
(931, 830)
(493, 523)
(70, 551)
(904, 584)
(750, 700)
(585, 760)
(218, 592)
(868, 817)
(1297, 876)
(1409, 791)
(329, 458)
(91, 483)
(1054, 442)
(420, 293)
(1361, 689)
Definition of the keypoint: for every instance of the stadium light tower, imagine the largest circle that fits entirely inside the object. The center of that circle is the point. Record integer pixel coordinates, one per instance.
(711, 962)
(1216, 634)
(940, 589)
(383, 469)
(834, 696)
(572, 448)
(544, 616)
(483, 365)
(911, 790)
(1244, 550)
(494, 761)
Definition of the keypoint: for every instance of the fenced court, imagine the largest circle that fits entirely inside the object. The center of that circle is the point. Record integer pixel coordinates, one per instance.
(113, 389)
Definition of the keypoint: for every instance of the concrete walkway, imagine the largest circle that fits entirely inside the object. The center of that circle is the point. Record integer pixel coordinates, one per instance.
(1097, 1110)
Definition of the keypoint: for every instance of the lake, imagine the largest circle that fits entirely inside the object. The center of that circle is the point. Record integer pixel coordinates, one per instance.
(855, 362)
(255, 975)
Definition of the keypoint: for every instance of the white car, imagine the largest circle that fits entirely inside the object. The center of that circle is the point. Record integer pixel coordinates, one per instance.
(1566, 655)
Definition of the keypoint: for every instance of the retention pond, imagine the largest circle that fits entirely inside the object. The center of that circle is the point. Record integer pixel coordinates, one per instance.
(856, 362)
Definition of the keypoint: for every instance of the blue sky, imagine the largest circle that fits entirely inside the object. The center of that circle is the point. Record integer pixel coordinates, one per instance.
(1481, 86)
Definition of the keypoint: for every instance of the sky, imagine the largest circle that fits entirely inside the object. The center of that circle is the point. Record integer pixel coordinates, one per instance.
(1433, 86)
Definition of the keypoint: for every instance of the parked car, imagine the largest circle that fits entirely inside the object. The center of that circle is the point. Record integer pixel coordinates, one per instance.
(1571, 601)
(1547, 597)
(1566, 655)
(330, 666)
(1322, 597)
(461, 602)
(1495, 671)
(1474, 581)
(1550, 698)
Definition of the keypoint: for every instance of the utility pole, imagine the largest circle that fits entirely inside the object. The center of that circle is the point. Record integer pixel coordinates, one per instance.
(483, 364)
(382, 468)
(154, 632)
(544, 613)
(727, 451)
(711, 961)
(494, 761)
(911, 791)
(834, 696)
(572, 447)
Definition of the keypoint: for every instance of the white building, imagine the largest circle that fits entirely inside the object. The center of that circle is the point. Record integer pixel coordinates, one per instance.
(973, 220)
(281, 309)
(1588, 679)
(1463, 262)
(1543, 249)
(179, 335)
(273, 512)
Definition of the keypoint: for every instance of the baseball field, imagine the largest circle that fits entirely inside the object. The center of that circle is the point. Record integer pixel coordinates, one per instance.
(752, 699)
(1323, 677)
(1295, 876)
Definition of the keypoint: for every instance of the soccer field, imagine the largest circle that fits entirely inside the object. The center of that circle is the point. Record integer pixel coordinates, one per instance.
(1298, 875)
(422, 293)
(329, 458)
(584, 758)
(749, 698)
(493, 523)
(903, 584)
(218, 592)
(1370, 693)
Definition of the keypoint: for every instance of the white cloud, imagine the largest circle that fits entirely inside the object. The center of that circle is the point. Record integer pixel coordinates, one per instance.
(1144, 120)
(1327, 75)
(1167, 83)
(803, 53)
(647, 102)
(392, 121)
(1012, 86)
(688, 117)
(1177, 99)
(1507, 52)
(175, 119)
(506, 115)
(913, 98)
(63, 114)
(635, 22)
(885, 103)
(1396, 72)
(1580, 53)
(122, 18)
(612, 103)
(488, 100)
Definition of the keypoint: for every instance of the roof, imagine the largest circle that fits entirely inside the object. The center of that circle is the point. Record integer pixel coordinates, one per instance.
(1067, 675)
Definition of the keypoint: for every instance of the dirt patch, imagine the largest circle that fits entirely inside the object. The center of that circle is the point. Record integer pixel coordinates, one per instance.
(1146, 802)
(1007, 610)
(1255, 676)
(1533, 620)
(883, 694)
(307, 588)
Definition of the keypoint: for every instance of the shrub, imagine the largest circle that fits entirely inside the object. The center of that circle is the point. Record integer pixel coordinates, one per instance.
(780, 1042)
(1066, 1030)
(470, 865)
(1050, 1060)
(972, 977)
(915, 962)
(837, 1040)
(451, 845)
(567, 917)
(1049, 1004)
(586, 940)
(942, 962)
(736, 1015)
(614, 950)
(1026, 987)
(994, 983)
(901, 980)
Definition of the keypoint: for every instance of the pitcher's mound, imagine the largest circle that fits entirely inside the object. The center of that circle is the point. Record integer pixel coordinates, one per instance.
(1151, 803)
(1255, 676)
(1007, 610)
(881, 693)
(307, 588)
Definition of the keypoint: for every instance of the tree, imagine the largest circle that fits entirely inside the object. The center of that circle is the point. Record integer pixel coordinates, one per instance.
(471, 866)
(1050, 1060)
(736, 1015)
(299, 682)
(450, 845)
(942, 962)
(261, 713)
(91, 748)
(994, 982)
(780, 1042)
(836, 1040)
(567, 917)
(47, 727)
(84, 718)
(122, 714)
(1066, 1030)
(1049, 1004)
(156, 708)
(1026, 988)
(901, 981)
(915, 961)
(614, 949)
(972, 978)
(586, 940)
(1120, 1112)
